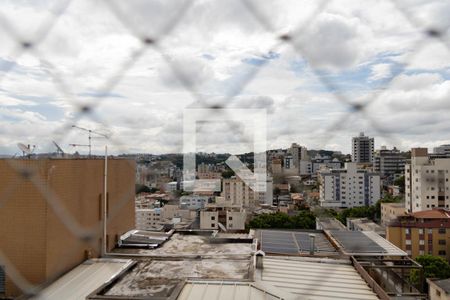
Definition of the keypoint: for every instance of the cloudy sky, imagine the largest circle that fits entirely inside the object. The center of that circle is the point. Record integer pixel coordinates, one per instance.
(135, 67)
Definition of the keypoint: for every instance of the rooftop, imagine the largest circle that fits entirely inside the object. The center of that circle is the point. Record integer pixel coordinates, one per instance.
(443, 284)
(84, 279)
(292, 242)
(314, 278)
(195, 290)
(432, 214)
(189, 245)
(158, 278)
(363, 243)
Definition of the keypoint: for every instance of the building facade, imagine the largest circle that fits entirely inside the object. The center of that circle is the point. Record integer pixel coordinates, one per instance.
(388, 162)
(349, 187)
(390, 212)
(298, 153)
(427, 182)
(423, 232)
(236, 192)
(362, 148)
(51, 204)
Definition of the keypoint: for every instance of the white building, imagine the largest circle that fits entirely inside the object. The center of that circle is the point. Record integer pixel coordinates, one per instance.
(349, 187)
(148, 218)
(193, 201)
(426, 181)
(442, 150)
(362, 149)
(306, 167)
(298, 153)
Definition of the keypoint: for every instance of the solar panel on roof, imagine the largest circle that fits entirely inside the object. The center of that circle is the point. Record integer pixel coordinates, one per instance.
(357, 242)
(292, 242)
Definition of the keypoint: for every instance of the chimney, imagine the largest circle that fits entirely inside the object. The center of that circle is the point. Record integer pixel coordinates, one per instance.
(259, 259)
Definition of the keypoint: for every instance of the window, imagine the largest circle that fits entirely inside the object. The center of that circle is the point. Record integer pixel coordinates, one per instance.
(441, 242)
(230, 218)
(421, 252)
(421, 242)
(213, 218)
(442, 252)
(438, 293)
(407, 231)
(408, 242)
(430, 231)
(442, 230)
(213, 225)
(420, 230)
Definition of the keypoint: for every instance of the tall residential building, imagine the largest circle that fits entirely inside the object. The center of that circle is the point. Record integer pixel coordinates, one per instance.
(236, 192)
(388, 162)
(298, 153)
(44, 211)
(362, 149)
(442, 150)
(423, 232)
(426, 181)
(349, 187)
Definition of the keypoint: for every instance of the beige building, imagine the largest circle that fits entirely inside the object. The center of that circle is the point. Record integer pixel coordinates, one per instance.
(390, 212)
(48, 204)
(439, 289)
(223, 215)
(423, 232)
(427, 182)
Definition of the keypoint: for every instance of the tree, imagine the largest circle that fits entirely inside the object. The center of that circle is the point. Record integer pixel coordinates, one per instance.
(433, 267)
(228, 173)
(356, 212)
(303, 220)
(140, 188)
(401, 183)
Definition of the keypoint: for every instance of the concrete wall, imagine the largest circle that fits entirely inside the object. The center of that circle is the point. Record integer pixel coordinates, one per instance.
(39, 211)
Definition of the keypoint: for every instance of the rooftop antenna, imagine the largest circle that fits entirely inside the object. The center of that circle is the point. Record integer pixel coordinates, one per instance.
(90, 132)
(26, 150)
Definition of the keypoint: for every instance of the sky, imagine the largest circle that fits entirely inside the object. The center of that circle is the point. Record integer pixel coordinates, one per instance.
(323, 71)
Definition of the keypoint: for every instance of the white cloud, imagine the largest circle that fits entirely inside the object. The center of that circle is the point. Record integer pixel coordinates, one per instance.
(211, 46)
(380, 71)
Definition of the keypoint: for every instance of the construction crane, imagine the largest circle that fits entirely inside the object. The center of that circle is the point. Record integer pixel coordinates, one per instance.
(59, 150)
(90, 133)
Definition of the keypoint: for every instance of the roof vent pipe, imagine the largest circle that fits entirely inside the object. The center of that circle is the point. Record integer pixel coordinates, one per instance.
(312, 238)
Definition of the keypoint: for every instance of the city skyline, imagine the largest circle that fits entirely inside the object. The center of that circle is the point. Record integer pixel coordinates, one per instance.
(354, 51)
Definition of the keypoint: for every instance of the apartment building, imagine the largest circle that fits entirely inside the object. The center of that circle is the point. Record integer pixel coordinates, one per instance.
(298, 153)
(222, 215)
(194, 201)
(388, 162)
(348, 187)
(423, 232)
(442, 150)
(236, 192)
(362, 148)
(54, 199)
(426, 181)
(390, 212)
(154, 218)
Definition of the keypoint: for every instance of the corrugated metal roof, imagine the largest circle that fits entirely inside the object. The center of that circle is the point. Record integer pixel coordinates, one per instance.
(315, 278)
(84, 279)
(223, 290)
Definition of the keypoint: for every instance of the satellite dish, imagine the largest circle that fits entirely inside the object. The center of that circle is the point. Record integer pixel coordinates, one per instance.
(24, 148)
